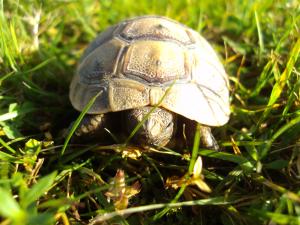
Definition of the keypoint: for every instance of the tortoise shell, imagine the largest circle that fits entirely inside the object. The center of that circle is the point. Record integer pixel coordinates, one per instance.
(152, 60)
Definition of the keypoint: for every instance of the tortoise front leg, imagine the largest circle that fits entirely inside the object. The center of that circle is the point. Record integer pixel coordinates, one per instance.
(90, 125)
(207, 138)
(92, 128)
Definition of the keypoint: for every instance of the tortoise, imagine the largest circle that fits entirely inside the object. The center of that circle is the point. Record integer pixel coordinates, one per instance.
(156, 67)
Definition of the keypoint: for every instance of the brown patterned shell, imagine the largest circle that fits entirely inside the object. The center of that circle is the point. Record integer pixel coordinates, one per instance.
(153, 60)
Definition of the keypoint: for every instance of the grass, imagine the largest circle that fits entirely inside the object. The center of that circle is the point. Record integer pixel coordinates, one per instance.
(255, 179)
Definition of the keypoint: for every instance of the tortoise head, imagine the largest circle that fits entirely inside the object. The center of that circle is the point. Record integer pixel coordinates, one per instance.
(158, 125)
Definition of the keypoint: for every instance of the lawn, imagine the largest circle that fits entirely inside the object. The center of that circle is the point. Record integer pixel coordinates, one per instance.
(254, 179)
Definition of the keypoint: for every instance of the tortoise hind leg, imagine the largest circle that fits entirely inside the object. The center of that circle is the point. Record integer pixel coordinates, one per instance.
(207, 138)
(92, 128)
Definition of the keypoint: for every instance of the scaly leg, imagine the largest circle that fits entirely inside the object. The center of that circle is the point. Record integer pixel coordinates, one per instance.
(207, 138)
(90, 124)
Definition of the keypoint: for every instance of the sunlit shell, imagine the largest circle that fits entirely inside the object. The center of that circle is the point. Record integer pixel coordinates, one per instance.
(153, 60)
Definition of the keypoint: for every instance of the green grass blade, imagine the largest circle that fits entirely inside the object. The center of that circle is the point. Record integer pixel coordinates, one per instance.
(277, 218)
(6, 157)
(8, 116)
(291, 99)
(208, 201)
(223, 155)
(263, 78)
(78, 120)
(260, 36)
(283, 79)
(167, 206)
(38, 189)
(40, 65)
(284, 128)
(279, 132)
(196, 145)
(4, 77)
(9, 207)
(36, 89)
(3, 143)
(139, 125)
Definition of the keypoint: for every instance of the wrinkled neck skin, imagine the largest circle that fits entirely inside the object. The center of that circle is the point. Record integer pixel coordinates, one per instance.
(158, 128)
